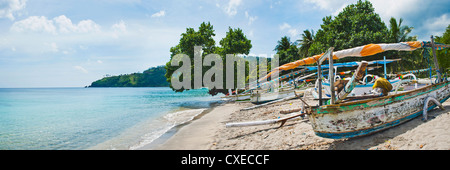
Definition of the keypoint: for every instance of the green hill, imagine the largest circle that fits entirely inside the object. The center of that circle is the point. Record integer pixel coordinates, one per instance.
(152, 77)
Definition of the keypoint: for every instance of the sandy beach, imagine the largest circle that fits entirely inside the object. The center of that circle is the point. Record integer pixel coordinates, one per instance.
(208, 132)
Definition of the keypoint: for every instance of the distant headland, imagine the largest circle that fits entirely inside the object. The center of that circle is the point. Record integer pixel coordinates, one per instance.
(152, 77)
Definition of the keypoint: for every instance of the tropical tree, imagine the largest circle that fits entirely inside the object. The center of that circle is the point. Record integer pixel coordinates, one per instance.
(191, 38)
(286, 50)
(356, 25)
(400, 33)
(444, 55)
(283, 44)
(235, 42)
(305, 42)
(397, 32)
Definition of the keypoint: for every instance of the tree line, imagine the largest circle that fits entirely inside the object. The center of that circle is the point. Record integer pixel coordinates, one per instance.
(152, 77)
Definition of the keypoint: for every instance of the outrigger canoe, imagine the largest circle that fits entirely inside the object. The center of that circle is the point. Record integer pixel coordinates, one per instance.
(345, 117)
(363, 117)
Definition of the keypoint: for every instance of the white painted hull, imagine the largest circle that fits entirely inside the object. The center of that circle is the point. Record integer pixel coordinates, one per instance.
(368, 116)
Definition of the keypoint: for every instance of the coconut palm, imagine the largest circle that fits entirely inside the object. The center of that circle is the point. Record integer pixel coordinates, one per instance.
(305, 42)
(399, 33)
(283, 44)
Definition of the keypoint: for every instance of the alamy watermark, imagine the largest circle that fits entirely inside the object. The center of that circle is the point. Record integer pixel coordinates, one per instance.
(216, 71)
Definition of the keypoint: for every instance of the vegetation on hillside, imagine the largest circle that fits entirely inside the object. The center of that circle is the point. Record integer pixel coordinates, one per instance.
(152, 77)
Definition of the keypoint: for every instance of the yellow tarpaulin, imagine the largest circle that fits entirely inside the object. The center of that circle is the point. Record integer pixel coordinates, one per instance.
(383, 84)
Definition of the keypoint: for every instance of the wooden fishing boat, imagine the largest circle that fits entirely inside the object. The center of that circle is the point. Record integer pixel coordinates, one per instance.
(238, 97)
(363, 117)
(261, 97)
(348, 117)
(344, 118)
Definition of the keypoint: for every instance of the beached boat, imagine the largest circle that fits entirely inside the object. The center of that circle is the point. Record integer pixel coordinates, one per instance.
(348, 117)
(238, 97)
(260, 97)
(356, 118)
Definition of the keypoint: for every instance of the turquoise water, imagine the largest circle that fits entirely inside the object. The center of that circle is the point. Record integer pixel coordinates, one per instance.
(93, 118)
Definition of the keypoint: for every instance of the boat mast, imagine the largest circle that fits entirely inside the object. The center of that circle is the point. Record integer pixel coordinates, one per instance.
(331, 75)
(436, 64)
(319, 70)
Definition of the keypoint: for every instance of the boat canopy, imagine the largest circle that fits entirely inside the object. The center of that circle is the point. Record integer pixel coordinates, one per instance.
(349, 64)
(361, 51)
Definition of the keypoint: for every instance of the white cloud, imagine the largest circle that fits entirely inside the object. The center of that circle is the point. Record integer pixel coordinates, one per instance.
(65, 24)
(436, 26)
(291, 31)
(159, 14)
(399, 8)
(231, 7)
(85, 26)
(34, 24)
(52, 46)
(251, 34)
(333, 6)
(42, 24)
(251, 19)
(81, 69)
(120, 27)
(9, 7)
(386, 9)
(285, 26)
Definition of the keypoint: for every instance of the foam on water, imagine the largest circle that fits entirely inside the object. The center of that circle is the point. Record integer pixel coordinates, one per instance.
(171, 120)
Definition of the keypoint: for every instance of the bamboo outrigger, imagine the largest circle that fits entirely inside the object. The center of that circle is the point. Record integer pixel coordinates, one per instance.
(343, 118)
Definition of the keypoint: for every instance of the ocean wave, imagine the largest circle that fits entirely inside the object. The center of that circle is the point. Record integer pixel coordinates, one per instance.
(171, 120)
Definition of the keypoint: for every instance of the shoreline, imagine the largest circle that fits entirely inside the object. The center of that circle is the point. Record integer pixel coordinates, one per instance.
(160, 142)
(208, 132)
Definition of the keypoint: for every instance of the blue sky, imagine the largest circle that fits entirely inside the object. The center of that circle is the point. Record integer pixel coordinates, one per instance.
(53, 43)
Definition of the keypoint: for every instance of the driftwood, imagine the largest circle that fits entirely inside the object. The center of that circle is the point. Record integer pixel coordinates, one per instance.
(290, 111)
(263, 122)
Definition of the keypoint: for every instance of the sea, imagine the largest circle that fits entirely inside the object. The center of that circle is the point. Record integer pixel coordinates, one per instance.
(94, 118)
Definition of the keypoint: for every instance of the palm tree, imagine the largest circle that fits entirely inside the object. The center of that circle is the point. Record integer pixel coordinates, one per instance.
(283, 44)
(399, 33)
(305, 42)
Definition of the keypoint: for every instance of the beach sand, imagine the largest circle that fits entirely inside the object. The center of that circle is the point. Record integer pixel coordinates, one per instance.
(209, 132)
(199, 134)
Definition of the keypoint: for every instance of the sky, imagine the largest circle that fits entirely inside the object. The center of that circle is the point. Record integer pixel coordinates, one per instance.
(71, 43)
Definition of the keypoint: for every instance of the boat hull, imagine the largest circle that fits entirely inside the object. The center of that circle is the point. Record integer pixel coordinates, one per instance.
(240, 97)
(266, 97)
(359, 118)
